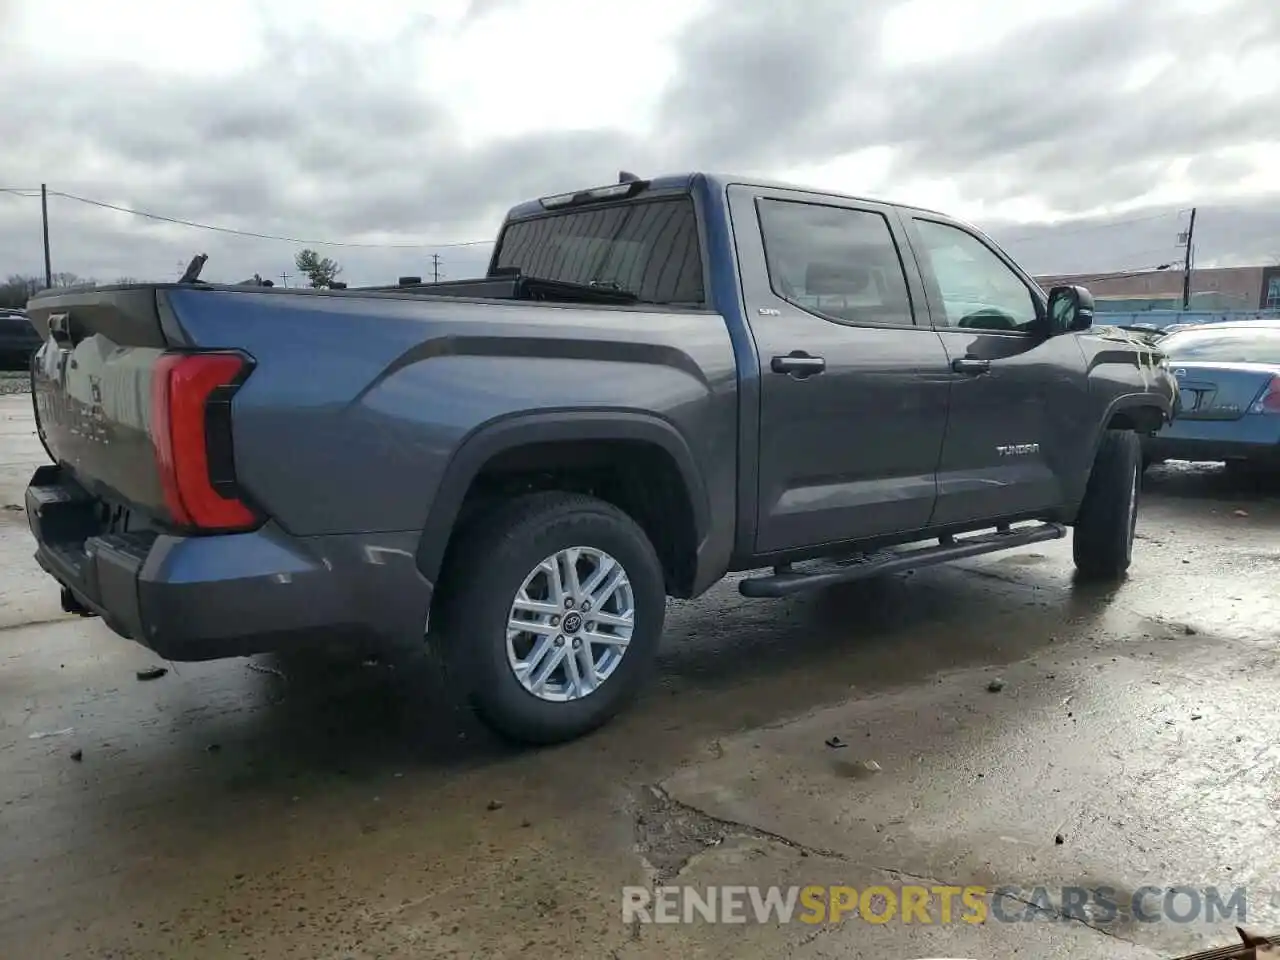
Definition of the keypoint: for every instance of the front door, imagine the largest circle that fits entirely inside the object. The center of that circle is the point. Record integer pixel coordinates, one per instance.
(1015, 427)
(853, 393)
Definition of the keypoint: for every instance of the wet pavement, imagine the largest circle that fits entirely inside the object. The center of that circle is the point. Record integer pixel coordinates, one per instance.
(947, 728)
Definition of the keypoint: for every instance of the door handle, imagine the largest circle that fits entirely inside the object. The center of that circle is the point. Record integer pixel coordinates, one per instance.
(970, 365)
(798, 364)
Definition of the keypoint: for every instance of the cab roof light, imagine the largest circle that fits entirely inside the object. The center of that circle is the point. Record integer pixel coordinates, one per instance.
(614, 191)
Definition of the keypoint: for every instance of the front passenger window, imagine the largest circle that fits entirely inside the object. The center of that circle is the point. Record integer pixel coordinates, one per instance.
(979, 291)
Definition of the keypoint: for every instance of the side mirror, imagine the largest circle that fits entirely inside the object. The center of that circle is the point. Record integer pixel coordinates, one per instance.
(1070, 310)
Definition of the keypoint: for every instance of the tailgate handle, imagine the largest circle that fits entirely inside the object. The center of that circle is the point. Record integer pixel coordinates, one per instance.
(60, 329)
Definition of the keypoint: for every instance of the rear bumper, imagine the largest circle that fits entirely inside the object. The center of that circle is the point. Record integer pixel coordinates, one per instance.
(205, 598)
(1208, 450)
(1252, 437)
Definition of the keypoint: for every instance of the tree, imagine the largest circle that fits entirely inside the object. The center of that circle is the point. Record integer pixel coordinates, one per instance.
(66, 279)
(321, 271)
(18, 289)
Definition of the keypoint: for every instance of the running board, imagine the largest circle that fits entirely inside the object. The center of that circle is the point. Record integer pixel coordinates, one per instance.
(786, 580)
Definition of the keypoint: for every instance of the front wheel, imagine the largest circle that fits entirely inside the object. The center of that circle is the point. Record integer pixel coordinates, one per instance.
(552, 615)
(1104, 528)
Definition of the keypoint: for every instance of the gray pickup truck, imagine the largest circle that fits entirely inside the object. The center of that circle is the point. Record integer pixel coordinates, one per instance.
(657, 382)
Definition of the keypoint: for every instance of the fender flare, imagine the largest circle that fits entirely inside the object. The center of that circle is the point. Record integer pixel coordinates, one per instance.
(1131, 401)
(508, 433)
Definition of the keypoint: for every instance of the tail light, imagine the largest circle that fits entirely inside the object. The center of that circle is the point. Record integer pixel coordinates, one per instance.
(191, 430)
(1269, 401)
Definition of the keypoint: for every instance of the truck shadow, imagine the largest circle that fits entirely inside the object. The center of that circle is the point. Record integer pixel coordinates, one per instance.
(726, 664)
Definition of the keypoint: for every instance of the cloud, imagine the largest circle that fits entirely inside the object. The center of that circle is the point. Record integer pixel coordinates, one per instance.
(399, 128)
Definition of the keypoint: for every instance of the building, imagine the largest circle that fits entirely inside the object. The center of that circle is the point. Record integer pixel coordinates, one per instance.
(1214, 288)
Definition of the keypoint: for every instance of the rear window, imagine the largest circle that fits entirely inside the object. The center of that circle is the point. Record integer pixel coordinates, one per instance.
(1224, 346)
(646, 248)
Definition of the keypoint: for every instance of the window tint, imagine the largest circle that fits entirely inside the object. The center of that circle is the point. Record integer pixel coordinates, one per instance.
(979, 291)
(1224, 346)
(647, 248)
(834, 262)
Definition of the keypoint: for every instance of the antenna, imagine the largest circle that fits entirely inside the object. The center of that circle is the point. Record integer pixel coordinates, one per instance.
(625, 176)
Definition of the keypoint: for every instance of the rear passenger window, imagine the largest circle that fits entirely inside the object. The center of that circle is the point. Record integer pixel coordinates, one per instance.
(835, 262)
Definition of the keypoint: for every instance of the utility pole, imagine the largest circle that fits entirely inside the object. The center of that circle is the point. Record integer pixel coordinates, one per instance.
(1186, 262)
(284, 279)
(44, 218)
(435, 267)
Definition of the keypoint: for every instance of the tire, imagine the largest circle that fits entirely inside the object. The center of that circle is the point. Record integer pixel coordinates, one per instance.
(499, 552)
(1103, 540)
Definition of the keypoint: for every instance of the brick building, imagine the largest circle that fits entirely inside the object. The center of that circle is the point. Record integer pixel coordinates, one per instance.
(1214, 288)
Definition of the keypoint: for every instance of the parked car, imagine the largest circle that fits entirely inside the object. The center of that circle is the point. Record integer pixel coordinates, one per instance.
(18, 339)
(658, 382)
(1229, 380)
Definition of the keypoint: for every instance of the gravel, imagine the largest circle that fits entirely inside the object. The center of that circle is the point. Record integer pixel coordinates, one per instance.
(14, 382)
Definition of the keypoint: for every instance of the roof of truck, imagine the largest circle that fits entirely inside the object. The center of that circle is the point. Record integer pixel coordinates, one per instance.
(719, 181)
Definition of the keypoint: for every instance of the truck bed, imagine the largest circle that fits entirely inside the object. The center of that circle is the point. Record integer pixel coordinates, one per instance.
(341, 379)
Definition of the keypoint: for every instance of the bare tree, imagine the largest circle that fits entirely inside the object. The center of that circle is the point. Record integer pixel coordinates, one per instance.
(18, 288)
(66, 279)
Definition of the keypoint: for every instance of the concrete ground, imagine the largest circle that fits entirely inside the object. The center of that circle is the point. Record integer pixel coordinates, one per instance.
(348, 806)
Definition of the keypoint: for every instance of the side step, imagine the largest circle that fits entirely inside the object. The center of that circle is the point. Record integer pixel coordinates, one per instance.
(787, 580)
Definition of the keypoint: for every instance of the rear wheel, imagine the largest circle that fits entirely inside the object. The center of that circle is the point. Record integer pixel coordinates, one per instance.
(552, 610)
(1104, 528)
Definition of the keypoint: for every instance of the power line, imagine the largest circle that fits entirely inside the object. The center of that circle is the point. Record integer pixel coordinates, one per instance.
(1053, 232)
(263, 236)
(1116, 275)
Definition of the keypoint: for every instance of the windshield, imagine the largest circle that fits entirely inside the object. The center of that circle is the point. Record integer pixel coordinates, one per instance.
(1235, 345)
(646, 248)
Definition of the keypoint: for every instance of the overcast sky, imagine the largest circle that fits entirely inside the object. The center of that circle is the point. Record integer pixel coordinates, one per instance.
(1076, 132)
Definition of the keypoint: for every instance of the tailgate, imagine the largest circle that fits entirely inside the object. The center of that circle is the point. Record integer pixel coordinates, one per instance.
(92, 387)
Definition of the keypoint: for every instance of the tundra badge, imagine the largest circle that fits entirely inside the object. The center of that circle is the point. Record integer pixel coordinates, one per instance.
(1018, 449)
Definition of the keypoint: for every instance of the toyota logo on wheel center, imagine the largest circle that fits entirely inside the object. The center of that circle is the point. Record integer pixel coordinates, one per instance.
(572, 622)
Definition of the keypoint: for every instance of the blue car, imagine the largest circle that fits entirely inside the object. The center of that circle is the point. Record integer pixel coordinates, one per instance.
(1229, 381)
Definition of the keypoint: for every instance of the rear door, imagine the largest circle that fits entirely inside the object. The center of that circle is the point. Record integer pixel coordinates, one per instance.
(853, 396)
(1015, 433)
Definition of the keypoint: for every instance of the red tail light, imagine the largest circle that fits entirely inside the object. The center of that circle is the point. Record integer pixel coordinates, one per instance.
(1269, 402)
(191, 430)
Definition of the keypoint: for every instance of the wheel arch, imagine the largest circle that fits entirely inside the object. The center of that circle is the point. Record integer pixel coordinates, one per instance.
(1140, 413)
(509, 436)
